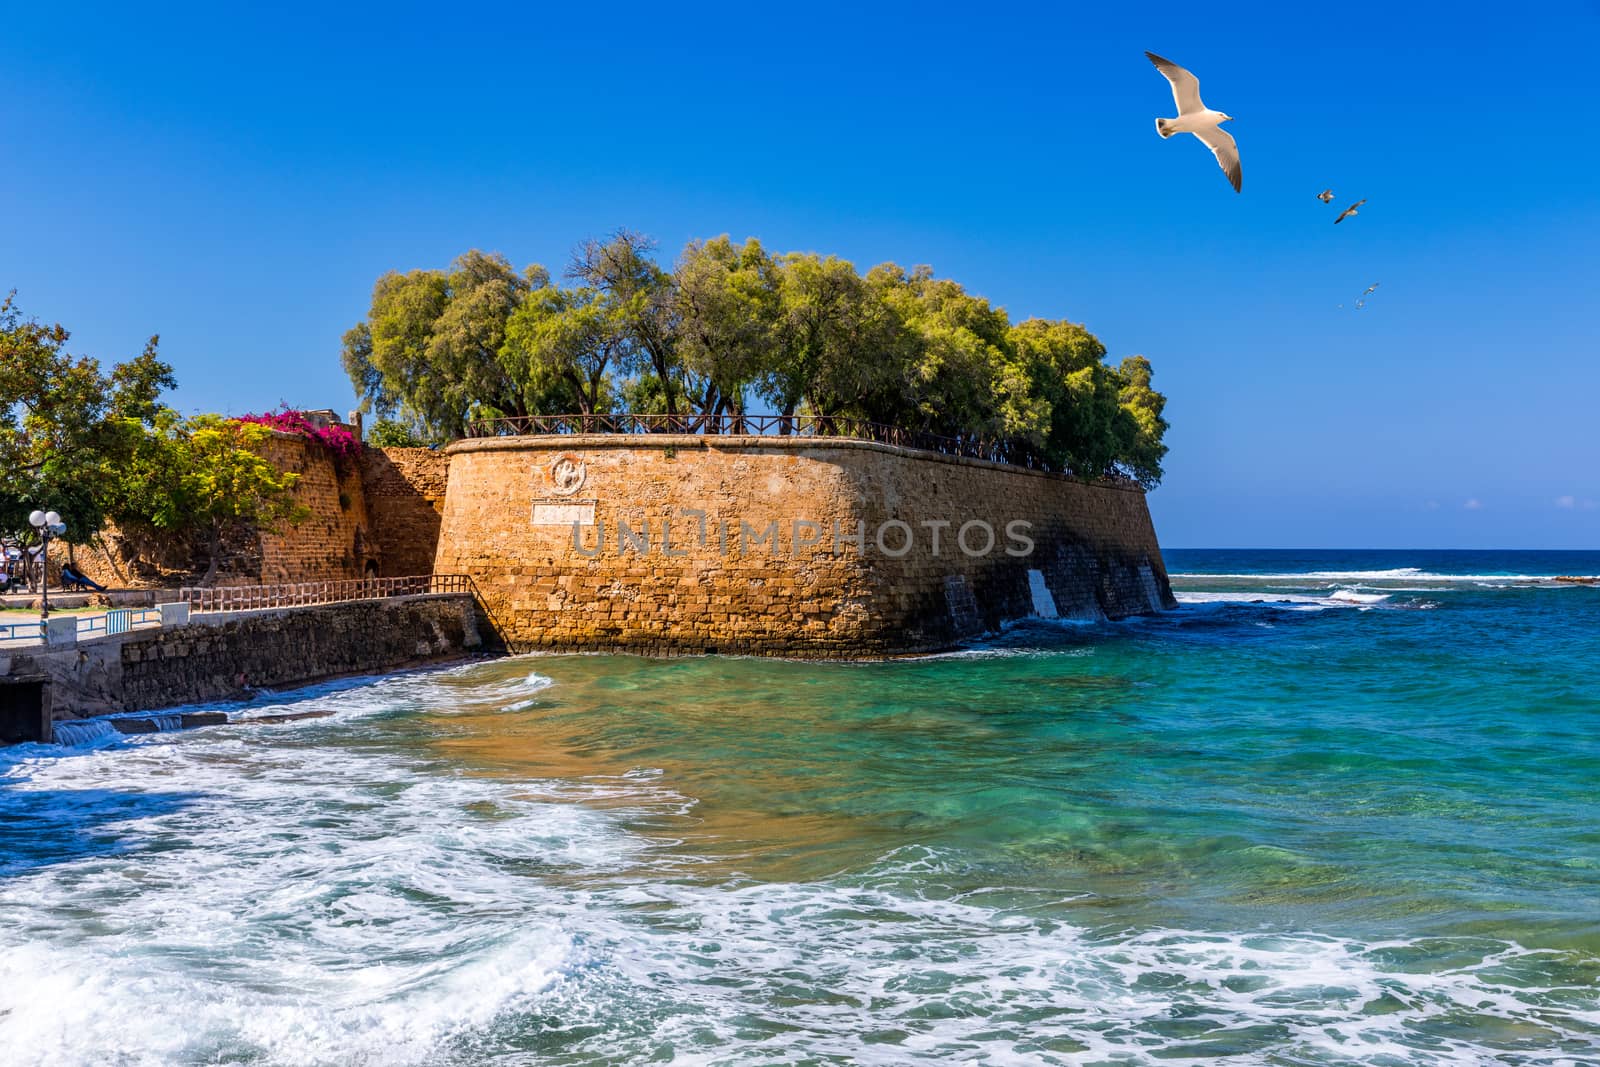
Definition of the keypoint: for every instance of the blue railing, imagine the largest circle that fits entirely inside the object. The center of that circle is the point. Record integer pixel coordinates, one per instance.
(117, 621)
(21, 631)
(245, 598)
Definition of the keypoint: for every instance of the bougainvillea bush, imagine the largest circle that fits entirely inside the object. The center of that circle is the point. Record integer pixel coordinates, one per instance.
(336, 438)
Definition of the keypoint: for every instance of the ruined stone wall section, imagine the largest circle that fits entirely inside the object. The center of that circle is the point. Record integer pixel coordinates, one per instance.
(335, 540)
(404, 490)
(707, 545)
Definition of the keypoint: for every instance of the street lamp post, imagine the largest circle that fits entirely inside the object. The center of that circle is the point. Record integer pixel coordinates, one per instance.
(49, 525)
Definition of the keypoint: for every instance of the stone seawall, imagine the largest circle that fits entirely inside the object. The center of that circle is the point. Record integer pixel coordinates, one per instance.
(225, 656)
(782, 546)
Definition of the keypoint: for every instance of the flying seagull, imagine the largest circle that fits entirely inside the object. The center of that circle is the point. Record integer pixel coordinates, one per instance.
(1371, 289)
(1194, 117)
(1325, 195)
(1351, 210)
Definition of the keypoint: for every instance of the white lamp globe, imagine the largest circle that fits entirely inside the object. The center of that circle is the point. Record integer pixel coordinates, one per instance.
(53, 518)
(36, 518)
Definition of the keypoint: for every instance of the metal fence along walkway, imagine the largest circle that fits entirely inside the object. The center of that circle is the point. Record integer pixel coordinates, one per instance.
(754, 425)
(117, 621)
(295, 594)
(246, 598)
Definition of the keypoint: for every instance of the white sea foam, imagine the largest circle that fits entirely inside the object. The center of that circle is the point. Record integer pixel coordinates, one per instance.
(1044, 603)
(1352, 596)
(1340, 598)
(297, 904)
(966, 982)
(1396, 574)
(264, 897)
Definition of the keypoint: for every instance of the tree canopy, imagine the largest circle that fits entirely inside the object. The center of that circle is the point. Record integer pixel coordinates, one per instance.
(66, 424)
(734, 325)
(98, 446)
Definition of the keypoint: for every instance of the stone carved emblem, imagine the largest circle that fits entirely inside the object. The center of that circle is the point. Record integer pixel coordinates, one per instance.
(567, 475)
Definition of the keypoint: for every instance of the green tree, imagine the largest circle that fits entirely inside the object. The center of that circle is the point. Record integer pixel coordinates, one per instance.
(642, 394)
(66, 426)
(729, 308)
(227, 485)
(1073, 411)
(815, 297)
(840, 348)
(803, 332)
(953, 363)
(376, 394)
(431, 344)
(206, 478)
(567, 343)
(638, 296)
(391, 433)
(1142, 447)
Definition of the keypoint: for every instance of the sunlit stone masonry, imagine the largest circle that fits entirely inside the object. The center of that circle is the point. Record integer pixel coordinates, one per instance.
(667, 544)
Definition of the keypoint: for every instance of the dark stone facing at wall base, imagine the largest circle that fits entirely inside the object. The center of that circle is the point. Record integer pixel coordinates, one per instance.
(186, 721)
(227, 657)
(225, 660)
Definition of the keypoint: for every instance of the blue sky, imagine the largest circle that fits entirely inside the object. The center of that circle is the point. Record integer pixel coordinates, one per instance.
(236, 180)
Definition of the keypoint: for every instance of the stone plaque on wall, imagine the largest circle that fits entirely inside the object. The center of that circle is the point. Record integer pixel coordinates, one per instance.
(563, 512)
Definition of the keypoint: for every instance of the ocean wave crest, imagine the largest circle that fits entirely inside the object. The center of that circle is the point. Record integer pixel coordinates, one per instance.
(1396, 574)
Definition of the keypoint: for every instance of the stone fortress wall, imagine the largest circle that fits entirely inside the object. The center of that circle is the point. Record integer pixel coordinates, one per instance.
(729, 544)
(335, 540)
(781, 546)
(404, 494)
(375, 515)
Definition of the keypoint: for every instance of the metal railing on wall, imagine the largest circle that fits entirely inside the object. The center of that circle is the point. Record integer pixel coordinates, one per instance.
(117, 621)
(281, 595)
(21, 631)
(295, 594)
(994, 450)
(755, 425)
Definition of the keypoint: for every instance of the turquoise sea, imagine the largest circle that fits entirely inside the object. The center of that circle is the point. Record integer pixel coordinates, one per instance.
(1339, 808)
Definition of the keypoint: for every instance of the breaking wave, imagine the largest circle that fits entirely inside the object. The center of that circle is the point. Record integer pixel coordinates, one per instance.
(1396, 574)
(1339, 598)
(318, 897)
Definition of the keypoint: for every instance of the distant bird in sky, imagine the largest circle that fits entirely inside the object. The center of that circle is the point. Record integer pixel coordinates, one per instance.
(1325, 196)
(1351, 210)
(1194, 117)
(1360, 300)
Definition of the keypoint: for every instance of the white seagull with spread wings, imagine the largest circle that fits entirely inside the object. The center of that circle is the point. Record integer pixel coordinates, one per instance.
(1194, 117)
